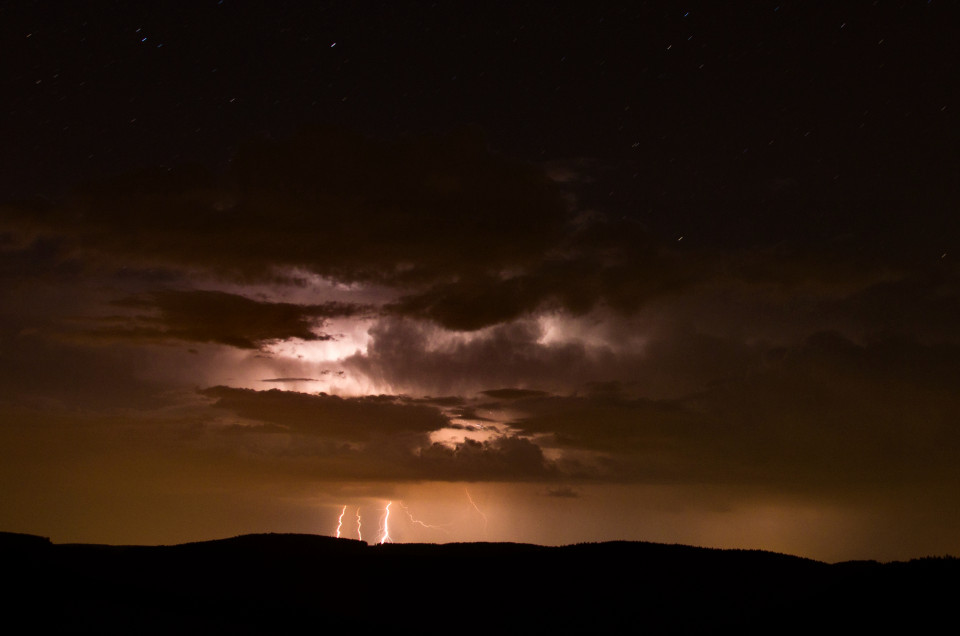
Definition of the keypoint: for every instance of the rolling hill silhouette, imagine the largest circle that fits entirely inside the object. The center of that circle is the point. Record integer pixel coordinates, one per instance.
(282, 583)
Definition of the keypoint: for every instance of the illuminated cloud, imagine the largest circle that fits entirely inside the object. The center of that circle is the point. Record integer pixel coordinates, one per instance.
(656, 357)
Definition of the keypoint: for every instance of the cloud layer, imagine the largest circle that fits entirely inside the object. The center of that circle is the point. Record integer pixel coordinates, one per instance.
(462, 317)
(218, 317)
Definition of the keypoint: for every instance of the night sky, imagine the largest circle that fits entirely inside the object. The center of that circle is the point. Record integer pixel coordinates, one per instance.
(650, 271)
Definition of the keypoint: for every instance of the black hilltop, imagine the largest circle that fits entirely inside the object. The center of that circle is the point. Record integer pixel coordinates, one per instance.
(294, 583)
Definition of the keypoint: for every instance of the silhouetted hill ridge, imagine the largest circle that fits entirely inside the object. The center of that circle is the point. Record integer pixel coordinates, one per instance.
(288, 582)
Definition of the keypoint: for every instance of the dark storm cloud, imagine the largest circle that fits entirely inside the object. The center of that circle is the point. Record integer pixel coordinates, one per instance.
(329, 202)
(218, 317)
(350, 419)
(609, 425)
(513, 394)
(924, 304)
(468, 237)
(615, 263)
(447, 400)
(464, 237)
(473, 303)
(378, 436)
(829, 415)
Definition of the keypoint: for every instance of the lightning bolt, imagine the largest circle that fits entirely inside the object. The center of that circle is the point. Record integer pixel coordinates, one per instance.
(386, 526)
(340, 520)
(384, 529)
(421, 523)
(479, 512)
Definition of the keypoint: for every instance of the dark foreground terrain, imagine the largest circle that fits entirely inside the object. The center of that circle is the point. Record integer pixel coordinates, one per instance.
(282, 583)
